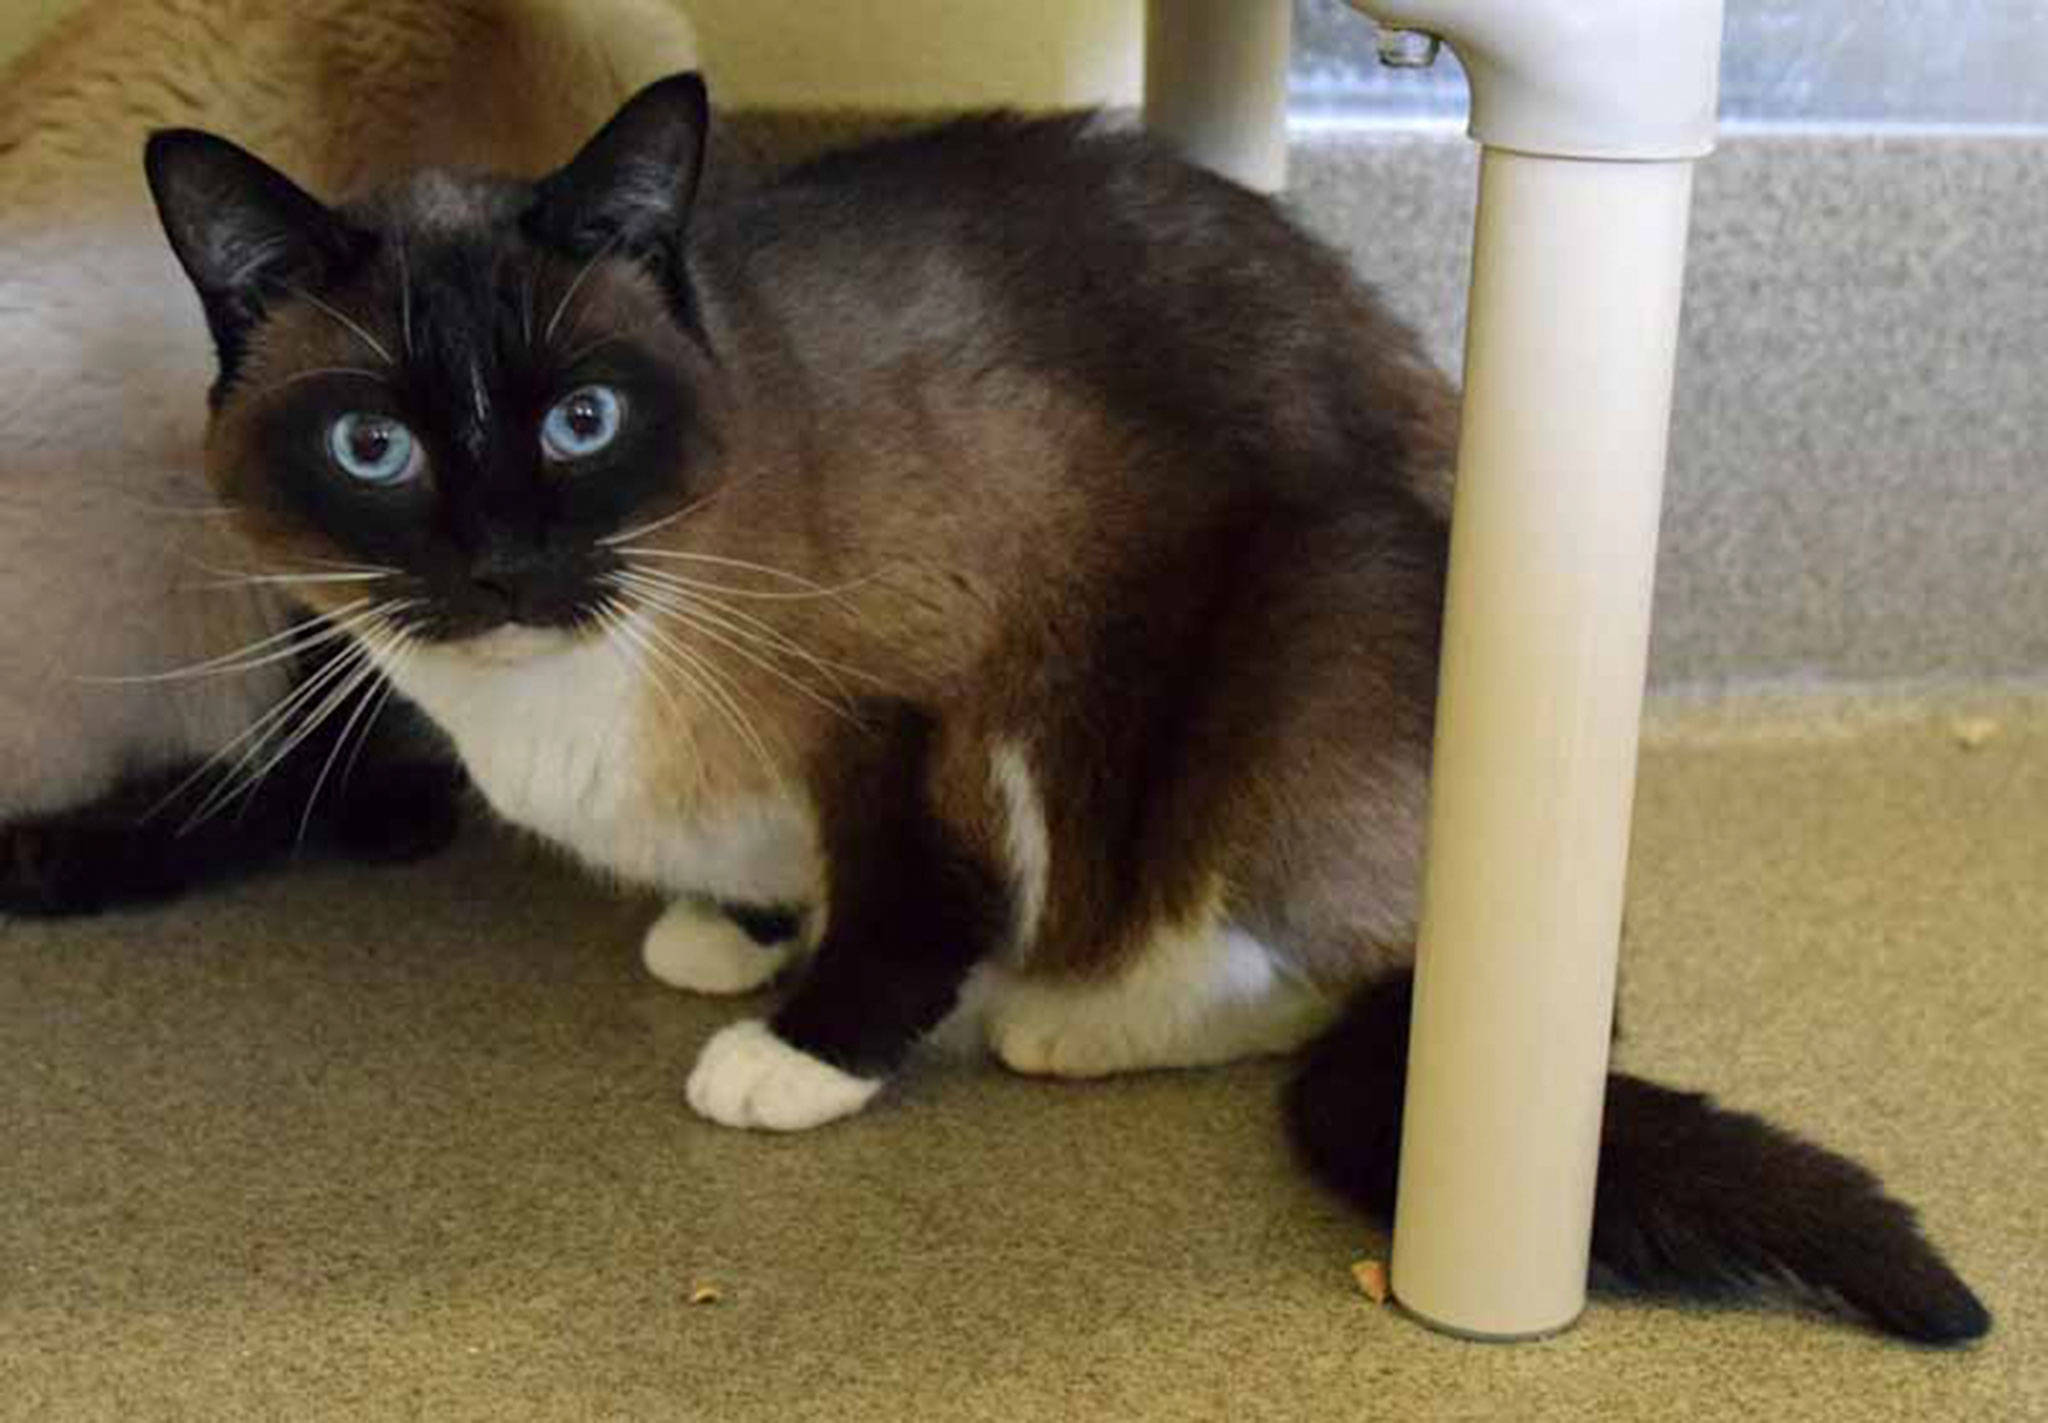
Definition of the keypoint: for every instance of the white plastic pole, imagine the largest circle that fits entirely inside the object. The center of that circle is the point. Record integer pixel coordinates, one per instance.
(1216, 84)
(1568, 365)
(1590, 112)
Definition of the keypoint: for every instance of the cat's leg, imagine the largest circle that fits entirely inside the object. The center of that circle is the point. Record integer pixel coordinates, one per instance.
(913, 907)
(1194, 997)
(704, 946)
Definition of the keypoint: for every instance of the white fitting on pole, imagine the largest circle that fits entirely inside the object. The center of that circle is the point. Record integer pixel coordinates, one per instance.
(1576, 276)
(1591, 111)
(1216, 84)
(1580, 78)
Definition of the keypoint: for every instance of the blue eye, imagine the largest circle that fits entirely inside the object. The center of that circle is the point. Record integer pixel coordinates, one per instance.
(373, 448)
(581, 423)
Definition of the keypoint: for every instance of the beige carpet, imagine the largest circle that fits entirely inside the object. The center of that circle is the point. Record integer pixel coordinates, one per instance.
(358, 1146)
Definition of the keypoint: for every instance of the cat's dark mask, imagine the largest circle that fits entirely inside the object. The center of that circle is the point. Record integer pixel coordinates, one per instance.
(469, 383)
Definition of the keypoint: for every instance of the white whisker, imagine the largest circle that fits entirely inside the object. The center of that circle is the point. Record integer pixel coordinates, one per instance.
(233, 782)
(345, 565)
(649, 664)
(348, 768)
(324, 628)
(754, 595)
(696, 625)
(622, 639)
(621, 624)
(717, 690)
(745, 625)
(316, 372)
(663, 522)
(725, 561)
(244, 580)
(597, 343)
(258, 734)
(348, 321)
(405, 298)
(184, 511)
(562, 306)
(340, 678)
(372, 658)
(359, 665)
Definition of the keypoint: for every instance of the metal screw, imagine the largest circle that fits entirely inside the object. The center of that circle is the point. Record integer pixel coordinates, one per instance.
(1407, 49)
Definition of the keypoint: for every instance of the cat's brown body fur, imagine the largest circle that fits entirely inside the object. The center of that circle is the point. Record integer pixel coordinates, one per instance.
(1215, 637)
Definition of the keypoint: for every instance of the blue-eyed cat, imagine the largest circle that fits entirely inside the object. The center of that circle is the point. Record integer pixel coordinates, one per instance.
(141, 656)
(993, 574)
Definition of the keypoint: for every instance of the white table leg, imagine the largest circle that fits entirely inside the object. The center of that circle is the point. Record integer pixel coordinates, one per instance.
(1568, 366)
(1592, 111)
(1216, 84)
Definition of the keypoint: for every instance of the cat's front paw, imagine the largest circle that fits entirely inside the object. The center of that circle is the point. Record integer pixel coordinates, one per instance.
(748, 1077)
(696, 947)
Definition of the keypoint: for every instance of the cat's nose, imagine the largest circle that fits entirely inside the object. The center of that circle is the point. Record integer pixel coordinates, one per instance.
(528, 588)
(498, 592)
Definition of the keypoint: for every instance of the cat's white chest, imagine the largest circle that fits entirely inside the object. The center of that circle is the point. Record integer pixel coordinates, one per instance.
(553, 742)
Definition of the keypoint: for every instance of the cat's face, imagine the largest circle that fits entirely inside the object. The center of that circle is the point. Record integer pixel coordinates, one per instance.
(452, 401)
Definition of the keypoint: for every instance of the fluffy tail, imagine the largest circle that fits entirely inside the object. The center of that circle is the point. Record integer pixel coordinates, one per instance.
(1692, 1199)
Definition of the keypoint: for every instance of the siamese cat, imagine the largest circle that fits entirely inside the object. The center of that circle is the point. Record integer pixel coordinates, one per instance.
(999, 567)
(142, 654)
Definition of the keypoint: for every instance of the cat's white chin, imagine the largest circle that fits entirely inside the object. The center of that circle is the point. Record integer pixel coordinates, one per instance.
(748, 1077)
(513, 643)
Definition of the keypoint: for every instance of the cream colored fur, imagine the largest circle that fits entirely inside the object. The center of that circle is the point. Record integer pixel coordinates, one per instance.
(749, 1077)
(106, 535)
(555, 735)
(694, 947)
(1194, 996)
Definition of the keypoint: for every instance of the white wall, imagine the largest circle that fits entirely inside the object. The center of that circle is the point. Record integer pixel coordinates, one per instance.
(899, 54)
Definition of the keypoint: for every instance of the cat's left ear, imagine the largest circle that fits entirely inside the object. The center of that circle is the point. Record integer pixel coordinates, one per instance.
(632, 186)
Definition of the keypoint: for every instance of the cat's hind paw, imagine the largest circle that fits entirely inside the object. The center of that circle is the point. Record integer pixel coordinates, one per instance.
(748, 1077)
(697, 947)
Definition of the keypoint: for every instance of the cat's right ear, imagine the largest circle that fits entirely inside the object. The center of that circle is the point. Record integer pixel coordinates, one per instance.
(242, 231)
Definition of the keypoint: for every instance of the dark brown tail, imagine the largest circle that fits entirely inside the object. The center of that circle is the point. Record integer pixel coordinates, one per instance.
(1692, 1199)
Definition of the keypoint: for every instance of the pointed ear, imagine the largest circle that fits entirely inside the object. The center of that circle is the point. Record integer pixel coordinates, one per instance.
(632, 186)
(242, 230)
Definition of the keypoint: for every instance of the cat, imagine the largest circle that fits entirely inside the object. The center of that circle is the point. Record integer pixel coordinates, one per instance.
(999, 567)
(113, 574)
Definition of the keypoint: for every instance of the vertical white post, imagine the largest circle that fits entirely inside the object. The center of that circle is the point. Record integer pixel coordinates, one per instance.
(1216, 84)
(1591, 112)
(1574, 318)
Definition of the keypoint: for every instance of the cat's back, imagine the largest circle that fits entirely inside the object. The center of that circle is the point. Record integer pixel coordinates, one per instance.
(341, 93)
(1086, 252)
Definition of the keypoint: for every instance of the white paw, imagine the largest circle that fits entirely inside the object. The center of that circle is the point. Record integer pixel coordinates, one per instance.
(1047, 1044)
(748, 1077)
(1144, 1022)
(694, 947)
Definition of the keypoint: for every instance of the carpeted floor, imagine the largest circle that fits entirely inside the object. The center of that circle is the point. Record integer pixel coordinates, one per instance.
(354, 1145)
